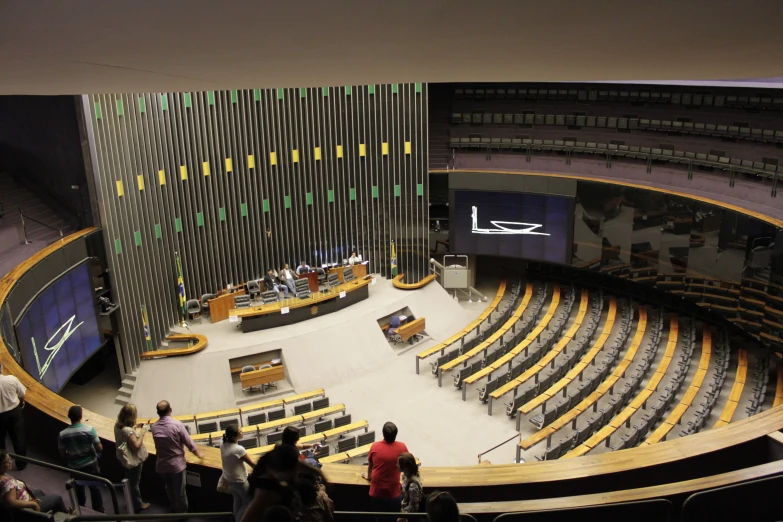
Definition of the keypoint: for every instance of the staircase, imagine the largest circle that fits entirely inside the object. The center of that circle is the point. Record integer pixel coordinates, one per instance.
(124, 395)
(14, 198)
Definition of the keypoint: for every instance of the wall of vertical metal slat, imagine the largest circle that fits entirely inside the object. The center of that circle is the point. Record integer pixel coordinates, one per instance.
(240, 181)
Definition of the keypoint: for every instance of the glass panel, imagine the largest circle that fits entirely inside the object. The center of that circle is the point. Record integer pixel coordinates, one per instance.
(676, 225)
(646, 236)
(588, 225)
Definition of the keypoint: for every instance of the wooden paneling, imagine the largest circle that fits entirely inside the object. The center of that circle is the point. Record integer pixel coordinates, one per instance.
(241, 181)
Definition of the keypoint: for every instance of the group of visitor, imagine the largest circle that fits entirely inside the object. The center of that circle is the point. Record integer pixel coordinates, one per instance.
(286, 484)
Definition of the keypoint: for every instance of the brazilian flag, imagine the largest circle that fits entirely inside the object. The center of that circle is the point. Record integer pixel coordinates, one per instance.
(393, 260)
(180, 286)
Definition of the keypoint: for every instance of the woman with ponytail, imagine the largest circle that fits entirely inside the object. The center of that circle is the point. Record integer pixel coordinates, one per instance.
(234, 458)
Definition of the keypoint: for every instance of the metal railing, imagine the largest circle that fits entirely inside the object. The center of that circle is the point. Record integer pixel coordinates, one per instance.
(349, 515)
(496, 446)
(151, 516)
(75, 473)
(24, 226)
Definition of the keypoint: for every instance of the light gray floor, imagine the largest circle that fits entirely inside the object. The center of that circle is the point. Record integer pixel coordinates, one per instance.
(347, 354)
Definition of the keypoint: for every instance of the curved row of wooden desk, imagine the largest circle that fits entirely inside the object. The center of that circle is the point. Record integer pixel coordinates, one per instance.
(397, 282)
(739, 450)
(199, 342)
(294, 310)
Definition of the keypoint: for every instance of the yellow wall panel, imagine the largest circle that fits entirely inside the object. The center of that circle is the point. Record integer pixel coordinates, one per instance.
(385, 148)
(229, 165)
(362, 149)
(205, 168)
(295, 155)
(273, 158)
(162, 177)
(120, 190)
(251, 161)
(183, 172)
(140, 181)
(317, 152)
(407, 147)
(339, 151)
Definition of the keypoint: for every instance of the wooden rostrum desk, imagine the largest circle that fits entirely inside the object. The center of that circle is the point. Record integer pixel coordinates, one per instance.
(293, 310)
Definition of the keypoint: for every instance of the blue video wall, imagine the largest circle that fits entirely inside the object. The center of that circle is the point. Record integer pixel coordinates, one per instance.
(59, 330)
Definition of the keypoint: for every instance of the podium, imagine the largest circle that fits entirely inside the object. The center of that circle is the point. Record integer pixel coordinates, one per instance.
(312, 280)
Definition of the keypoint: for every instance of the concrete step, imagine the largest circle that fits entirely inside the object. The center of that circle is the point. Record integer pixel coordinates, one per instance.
(129, 383)
(125, 391)
(121, 400)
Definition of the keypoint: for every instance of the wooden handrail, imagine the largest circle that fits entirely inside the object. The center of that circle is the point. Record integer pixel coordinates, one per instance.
(200, 344)
(397, 282)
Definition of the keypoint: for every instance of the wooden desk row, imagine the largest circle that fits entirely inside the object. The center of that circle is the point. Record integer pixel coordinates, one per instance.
(412, 328)
(605, 386)
(583, 363)
(495, 336)
(251, 408)
(316, 437)
(465, 331)
(675, 417)
(294, 310)
(736, 391)
(519, 348)
(276, 424)
(553, 353)
(262, 376)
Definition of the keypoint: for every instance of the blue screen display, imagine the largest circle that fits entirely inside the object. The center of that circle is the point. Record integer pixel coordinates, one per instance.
(512, 224)
(59, 330)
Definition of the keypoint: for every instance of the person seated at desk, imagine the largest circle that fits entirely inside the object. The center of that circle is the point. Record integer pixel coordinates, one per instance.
(272, 282)
(303, 268)
(288, 277)
(354, 259)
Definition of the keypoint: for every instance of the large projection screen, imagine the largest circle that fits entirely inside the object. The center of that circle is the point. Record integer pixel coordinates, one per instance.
(512, 224)
(58, 332)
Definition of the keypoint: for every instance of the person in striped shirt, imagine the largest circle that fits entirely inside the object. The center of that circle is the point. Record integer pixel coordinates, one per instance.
(80, 446)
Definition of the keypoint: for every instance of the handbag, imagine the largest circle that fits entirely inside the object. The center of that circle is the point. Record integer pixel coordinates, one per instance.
(130, 459)
(222, 487)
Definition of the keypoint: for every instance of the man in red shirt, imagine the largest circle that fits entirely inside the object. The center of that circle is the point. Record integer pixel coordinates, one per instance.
(384, 473)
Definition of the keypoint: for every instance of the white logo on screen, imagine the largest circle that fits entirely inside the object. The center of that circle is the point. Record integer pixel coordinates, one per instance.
(503, 228)
(56, 347)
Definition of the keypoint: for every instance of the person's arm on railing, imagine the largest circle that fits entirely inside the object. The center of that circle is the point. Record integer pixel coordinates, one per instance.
(368, 476)
(190, 444)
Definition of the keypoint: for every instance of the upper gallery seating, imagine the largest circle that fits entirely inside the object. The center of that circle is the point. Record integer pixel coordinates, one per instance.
(717, 132)
(593, 373)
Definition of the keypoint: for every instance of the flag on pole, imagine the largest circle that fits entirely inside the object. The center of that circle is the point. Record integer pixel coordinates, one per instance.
(146, 321)
(393, 260)
(180, 286)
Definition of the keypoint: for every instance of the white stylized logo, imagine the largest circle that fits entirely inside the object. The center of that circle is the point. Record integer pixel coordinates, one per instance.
(56, 347)
(501, 229)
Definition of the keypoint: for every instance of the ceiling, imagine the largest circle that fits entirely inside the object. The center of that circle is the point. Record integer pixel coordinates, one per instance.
(90, 46)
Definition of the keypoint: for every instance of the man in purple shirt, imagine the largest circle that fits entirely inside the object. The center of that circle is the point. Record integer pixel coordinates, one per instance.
(170, 436)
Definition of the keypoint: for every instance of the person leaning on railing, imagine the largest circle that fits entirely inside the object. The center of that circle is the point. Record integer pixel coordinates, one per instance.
(131, 451)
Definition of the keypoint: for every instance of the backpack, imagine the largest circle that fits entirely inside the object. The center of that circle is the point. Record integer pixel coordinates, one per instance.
(423, 502)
